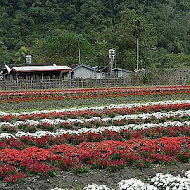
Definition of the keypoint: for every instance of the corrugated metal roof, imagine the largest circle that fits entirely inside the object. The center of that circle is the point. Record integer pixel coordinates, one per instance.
(120, 69)
(41, 68)
(86, 66)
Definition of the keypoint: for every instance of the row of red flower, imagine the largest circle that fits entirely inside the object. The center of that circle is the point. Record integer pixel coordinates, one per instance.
(49, 140)
(88, 90)
(87, 155)
(108, 93)
(97, 113)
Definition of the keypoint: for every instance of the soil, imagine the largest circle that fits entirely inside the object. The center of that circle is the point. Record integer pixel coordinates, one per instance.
(68, 180)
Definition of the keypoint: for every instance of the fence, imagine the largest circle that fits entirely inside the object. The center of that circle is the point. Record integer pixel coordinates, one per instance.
(60, 83)
(169, 77)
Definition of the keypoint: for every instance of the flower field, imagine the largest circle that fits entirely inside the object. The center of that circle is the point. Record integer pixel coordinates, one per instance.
(20, 96)
(80, 139)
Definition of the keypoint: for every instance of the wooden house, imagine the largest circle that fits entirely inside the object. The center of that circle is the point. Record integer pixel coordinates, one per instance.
(84, 71)
(121, 73)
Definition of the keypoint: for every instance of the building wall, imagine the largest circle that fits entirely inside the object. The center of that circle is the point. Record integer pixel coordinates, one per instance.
(84, 73)
(126, 74)
(122, 74)
(179, 75)
(98, 75)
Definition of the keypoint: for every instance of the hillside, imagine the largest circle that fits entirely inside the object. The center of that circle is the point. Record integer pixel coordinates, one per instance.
(53, 31)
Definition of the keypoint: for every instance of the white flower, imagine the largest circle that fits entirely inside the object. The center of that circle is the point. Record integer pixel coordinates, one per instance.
(6, 135)
(96, 187)
(98, 130)
(187, 174)
(57, 189)
(135, 184)
(170, 182)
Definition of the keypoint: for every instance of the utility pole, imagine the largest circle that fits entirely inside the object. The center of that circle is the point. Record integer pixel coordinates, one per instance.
(137, 66)
(137, 33)
(79, 54)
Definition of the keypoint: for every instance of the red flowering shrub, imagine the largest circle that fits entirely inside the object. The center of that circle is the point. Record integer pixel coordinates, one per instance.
(9, 174)
(105, 154)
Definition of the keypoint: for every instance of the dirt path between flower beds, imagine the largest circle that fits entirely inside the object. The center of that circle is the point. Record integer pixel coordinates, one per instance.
(67, 180)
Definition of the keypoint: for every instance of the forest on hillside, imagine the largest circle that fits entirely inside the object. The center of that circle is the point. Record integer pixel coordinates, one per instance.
(52, 31)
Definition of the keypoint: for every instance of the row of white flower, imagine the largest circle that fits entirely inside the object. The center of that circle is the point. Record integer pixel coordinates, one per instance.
(101, 107)
(143, 116)
(160, 181)
(59, 132)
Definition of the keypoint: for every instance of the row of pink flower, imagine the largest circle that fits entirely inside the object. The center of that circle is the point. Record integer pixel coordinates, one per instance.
(54, 125)
(122, 135)
(111, 92)
(97, 113)
(89, 155)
